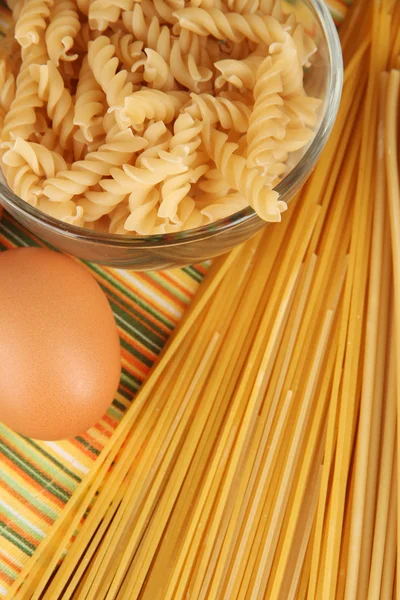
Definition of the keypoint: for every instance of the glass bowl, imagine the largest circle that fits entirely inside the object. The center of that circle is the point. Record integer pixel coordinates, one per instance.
(323, 80)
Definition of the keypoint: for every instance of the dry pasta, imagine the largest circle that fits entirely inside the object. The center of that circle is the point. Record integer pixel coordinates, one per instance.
(260, 458)
(162, 113)
(63, 29)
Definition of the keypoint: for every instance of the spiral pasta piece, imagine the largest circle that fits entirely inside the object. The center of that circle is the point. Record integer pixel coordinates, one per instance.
(239, 73)
(160, 38)
(127, 49)
(186, 69)
(191, 219)
(31, 22)
(153, 170)
(63, 28)
(143, 213)
(153, 104)
(261, 29)
(128, 180)
(117, 218)
(58, 100)
(42, 161)
(267, 121)
(284, 57)
(148, 30)
(305, 45)
(244, 6)
(67, 212)
(7, 85)
(296, 138)
(220, 208)
(207, 4)
(24, 183)
(230, 114)
(158, 138)
(101, 12)
(303, 109)
(213, 184)
(119, 149)
(104, 64)
(247, 181)
(163, 9)
(156, 71)
(96, 205)
(176, 188)
(89, 102)
(21, 118)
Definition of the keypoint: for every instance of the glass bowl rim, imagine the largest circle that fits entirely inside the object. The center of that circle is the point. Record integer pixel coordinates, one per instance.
(246, 215)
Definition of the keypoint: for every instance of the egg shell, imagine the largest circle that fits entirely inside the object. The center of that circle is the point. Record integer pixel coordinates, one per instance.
(60, 360)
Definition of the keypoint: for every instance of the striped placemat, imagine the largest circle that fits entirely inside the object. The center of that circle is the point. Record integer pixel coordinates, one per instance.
(38, 478)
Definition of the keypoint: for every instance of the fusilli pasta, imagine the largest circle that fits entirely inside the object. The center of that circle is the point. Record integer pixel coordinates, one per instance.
(267, 121)
(230, 114)
(153, 104)
(102, 12)
(58, 99)
(153, 116)
(118, 150)
(20, 120)
(89, 102)
(104, 64)
(239, 73)
(246, 181)
(62, 31)
(42, 161)
(31, 22)
(7, 85)
(176, 188)
(261, 29)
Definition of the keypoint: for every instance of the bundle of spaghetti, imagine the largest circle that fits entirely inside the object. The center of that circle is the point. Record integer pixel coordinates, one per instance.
(390, 97)
(259, 459)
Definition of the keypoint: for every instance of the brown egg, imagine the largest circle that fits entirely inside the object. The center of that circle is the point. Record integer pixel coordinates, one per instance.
(60, 358)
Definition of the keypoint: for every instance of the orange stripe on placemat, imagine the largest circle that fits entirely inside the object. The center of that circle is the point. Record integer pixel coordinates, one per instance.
(6, 578)
(11, 563)
(102, 430)
(113, 422)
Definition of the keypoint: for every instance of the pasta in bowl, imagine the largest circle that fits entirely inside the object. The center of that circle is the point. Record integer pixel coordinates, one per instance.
(156, 134)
